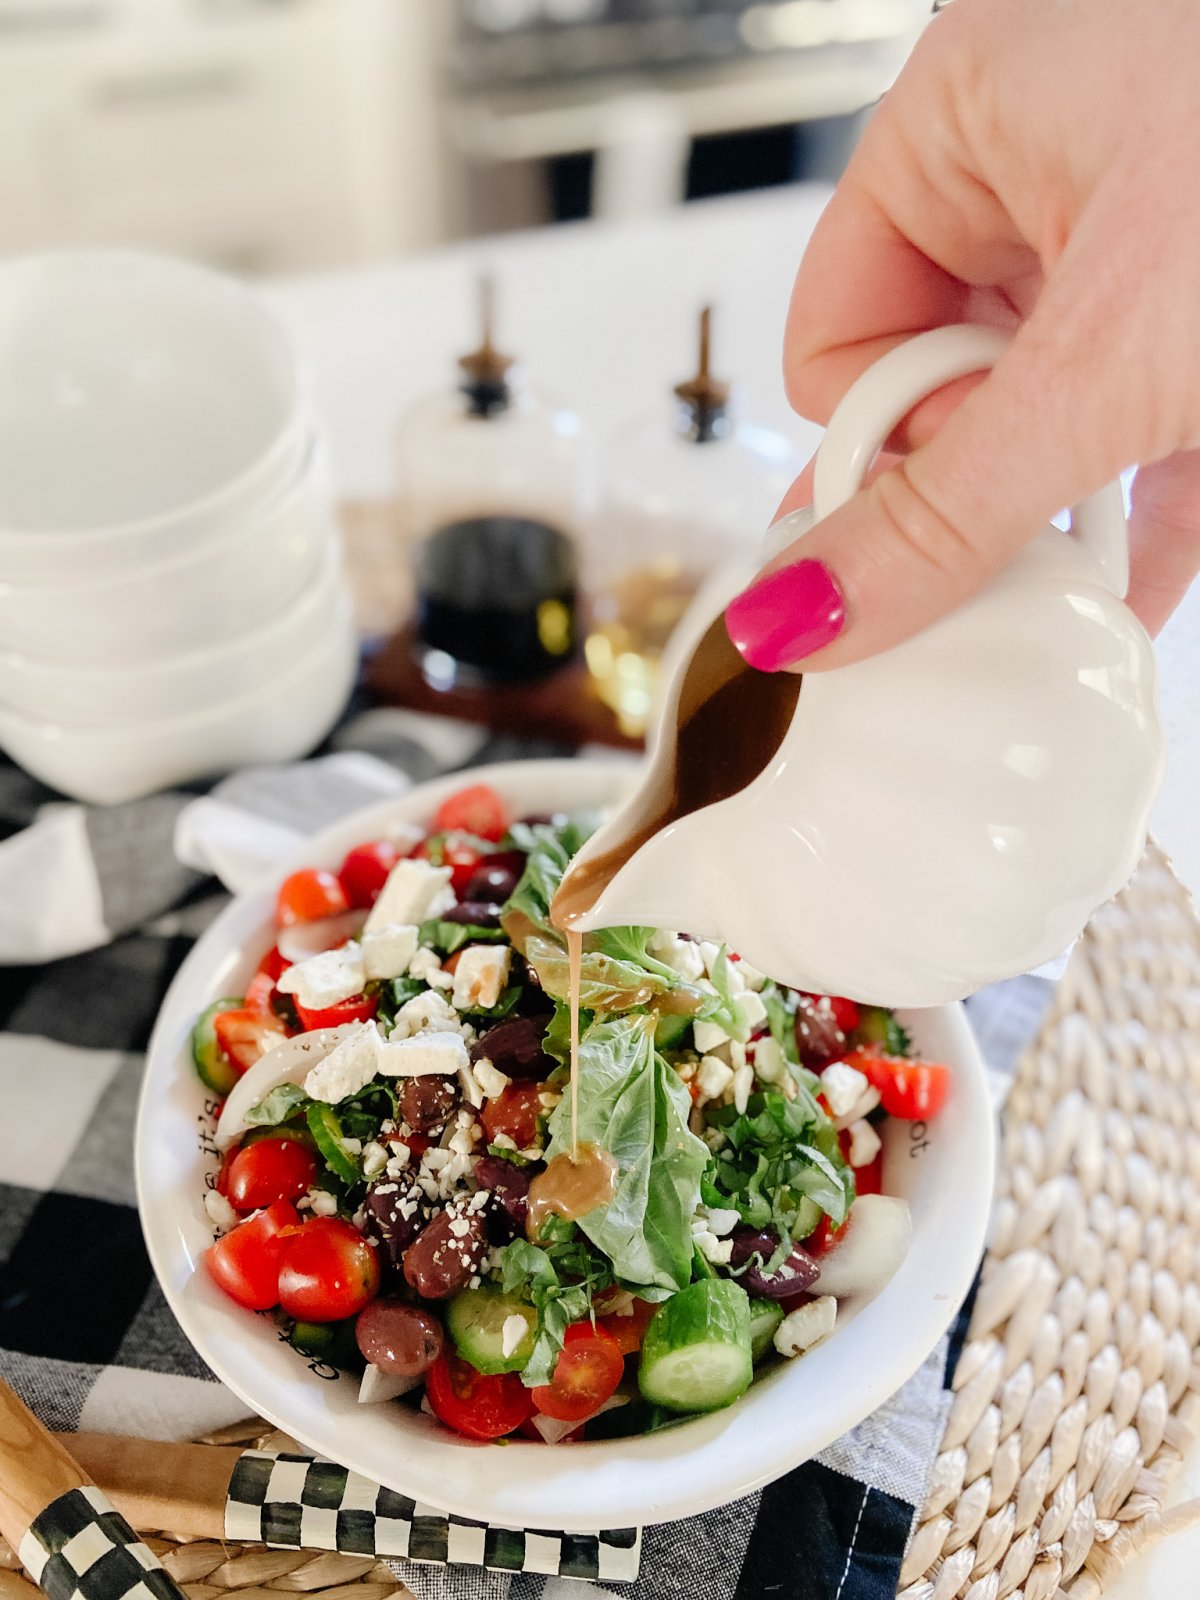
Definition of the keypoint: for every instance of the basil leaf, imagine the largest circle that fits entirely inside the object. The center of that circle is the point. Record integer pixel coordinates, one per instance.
(447, 937)
(779, 1152)
(284, 1100)
(394, 993)
(634, 1106)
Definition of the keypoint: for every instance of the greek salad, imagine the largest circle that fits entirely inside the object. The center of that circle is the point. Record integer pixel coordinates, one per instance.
(392, 1081)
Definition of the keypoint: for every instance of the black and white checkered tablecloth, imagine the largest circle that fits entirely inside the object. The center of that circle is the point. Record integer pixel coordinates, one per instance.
(97, 910)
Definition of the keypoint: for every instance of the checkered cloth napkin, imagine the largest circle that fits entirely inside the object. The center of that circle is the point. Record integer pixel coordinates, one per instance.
(97, 910)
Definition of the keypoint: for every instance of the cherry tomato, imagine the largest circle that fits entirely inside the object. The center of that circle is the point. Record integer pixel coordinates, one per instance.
(365, 871)
(869, 1179)
(244, 1035)
(245, 1263)
(477, 809)
(227, 1161)
(453, 850)
(515, 1112)
(845, 1012)
(358, 1008)
(273, 964)
(327, 1271)
(258, 995)
(479, 1407)
(308, 896)
(914, 1090)
(269, 1170)
(586, 1374)
(818, 1242)
(628, 1331)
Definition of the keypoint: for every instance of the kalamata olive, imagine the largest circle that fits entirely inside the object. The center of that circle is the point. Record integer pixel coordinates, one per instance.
(491, 883)
(818, 1037)
(447, 1255)
(479, 913)
(514, 1047)
(427, 1101)
(401, 1340)
(508, 1185)
(395, 1216)
(796, 1273)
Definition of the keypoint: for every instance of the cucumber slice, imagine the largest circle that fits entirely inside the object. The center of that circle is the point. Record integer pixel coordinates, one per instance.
(215, 1071)
(333, 1342)
(808, 1217)
(669, 1031)
(325, 1128)
(765, 1317)
(475, 1319)
(696, 1354)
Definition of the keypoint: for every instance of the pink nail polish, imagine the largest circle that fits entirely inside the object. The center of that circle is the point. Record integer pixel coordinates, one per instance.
(787, 615)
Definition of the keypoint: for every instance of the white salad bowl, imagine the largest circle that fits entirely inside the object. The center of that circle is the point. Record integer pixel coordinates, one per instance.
(943, 1169)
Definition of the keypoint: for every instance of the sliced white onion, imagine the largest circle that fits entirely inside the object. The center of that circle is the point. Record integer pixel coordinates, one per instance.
(299, 940)
(289, 1062)
(868, 1250)
(377, 1386)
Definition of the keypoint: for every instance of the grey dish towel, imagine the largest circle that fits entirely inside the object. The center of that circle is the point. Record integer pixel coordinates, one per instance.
(97, 909)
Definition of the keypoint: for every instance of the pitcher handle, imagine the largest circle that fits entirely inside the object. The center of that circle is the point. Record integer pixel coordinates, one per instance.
(888, 391)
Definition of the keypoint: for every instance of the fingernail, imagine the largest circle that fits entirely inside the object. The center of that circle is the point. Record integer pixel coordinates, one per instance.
(787, 615)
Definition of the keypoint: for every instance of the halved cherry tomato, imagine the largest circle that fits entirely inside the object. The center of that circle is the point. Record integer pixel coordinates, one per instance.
(820, 1239)
(258, 995)
(477, 809)
(869, 1179)
(628, 1331)
(845, 1012)
(358, 1008)
(273, 964)
(227, 1160)
(515, 1112)
(327, 1271)
(308, 896)
(269, 1170)
(244, 1035)
(914, 1090)
(456, 851)
(365, 871)
(589, 1368)
(245, 1263)
(479, 1407)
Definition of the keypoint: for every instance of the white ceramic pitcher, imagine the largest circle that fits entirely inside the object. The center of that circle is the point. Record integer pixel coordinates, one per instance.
(948, 813)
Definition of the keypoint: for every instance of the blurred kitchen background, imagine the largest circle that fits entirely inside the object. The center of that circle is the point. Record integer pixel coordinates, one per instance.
(534, 257)
(279, 135)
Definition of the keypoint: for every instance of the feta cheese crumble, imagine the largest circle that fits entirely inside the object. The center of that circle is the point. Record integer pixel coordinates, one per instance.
(713, 1076)
(422, 1054)
(348, 1067)
(490, 1079)
(512, 1331)
(425, 1013)
(388, 953)
(415, 891)
(806, 1326)
(220, 1213)
(709, 1036)
(843, 1087)
(426, 966)
(480, 975)
(322, 980)
(865, 1144)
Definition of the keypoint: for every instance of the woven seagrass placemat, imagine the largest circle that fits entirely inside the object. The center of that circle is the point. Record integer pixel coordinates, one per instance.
(1078, 1391)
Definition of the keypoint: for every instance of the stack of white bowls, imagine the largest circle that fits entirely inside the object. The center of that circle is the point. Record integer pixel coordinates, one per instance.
(171, 595)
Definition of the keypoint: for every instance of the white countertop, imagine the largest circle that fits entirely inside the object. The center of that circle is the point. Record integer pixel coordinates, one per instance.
(605, 315)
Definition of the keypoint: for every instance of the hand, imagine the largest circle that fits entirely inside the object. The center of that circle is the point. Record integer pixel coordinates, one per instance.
(1036, 168)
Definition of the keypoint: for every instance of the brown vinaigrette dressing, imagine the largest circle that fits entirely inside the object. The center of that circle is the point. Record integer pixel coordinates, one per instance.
(730, 721)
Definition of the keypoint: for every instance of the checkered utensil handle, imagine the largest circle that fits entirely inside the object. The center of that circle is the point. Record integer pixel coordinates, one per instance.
(297, 1502)
(67, 1533)
(81, 1548)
